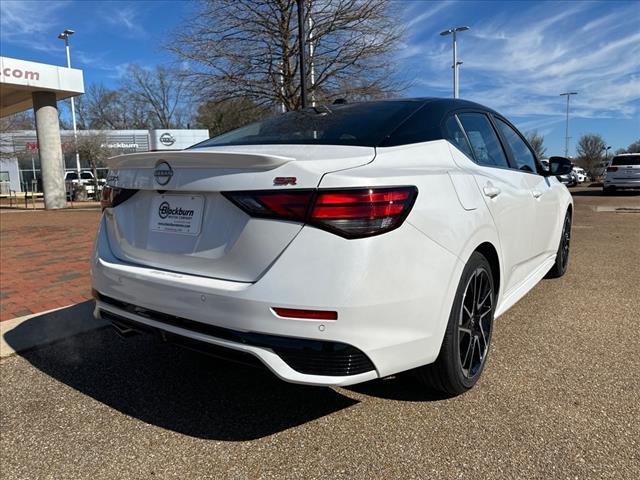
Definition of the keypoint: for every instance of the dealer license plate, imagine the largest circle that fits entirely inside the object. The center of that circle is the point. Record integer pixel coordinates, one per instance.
(177, 214)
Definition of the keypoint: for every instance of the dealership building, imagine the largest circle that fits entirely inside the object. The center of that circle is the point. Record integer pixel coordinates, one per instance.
(20, 163)
(25, 85)
(45, 153)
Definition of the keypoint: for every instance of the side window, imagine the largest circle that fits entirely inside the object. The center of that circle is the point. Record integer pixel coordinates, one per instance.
(525, 160)
(483, 139)
(456, 136)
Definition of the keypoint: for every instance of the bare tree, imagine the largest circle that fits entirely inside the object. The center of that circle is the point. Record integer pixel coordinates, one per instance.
(103, 108)
(248, 49)
(160, 91)
(92, 147)
(589, 149)
(537, 143)
(220, 117)
(634, 147)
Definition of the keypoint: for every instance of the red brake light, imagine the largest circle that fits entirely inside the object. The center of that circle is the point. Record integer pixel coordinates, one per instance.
(308, 314)
(612, 169)
(106, 197)
(114, 196)
(362, 213)
(352, 213)
(370, 204)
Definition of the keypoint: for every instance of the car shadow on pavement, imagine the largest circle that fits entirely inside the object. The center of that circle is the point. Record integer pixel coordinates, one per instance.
(181, 390)
(403, 387)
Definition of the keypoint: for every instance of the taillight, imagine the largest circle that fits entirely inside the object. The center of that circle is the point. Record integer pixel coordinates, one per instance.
(362, 213)
(291, 205)
(113, 196)
(352, 213)
(612, 169)
(106, 198)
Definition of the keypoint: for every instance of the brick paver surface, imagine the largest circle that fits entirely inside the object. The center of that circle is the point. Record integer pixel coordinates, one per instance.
(44, 259)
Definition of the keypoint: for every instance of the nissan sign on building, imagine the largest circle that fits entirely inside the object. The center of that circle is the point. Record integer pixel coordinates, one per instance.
(176, 139)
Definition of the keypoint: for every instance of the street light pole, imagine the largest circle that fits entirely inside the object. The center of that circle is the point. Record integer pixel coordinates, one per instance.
(312, 70)
(456, 63)
(566, 136)
(301, 41)
(65, 36)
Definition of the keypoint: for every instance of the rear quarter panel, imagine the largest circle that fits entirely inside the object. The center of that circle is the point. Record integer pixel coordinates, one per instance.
(456, 221)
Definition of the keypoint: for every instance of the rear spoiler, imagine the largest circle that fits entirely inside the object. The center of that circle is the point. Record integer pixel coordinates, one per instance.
(199, 159)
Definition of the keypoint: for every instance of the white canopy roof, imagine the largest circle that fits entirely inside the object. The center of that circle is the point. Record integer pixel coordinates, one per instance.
(20, 78)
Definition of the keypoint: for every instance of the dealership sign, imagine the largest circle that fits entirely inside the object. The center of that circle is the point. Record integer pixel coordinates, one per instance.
(40, 76)
(167, 139)
(175, 139)
(19, 79)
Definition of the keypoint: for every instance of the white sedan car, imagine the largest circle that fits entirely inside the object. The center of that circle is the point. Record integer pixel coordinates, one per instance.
(336, 244)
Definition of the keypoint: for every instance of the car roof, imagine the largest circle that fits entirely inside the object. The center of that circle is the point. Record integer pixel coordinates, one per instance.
(445, 104)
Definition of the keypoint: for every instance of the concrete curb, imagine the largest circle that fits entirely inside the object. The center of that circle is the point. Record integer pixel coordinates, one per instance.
(31, 331)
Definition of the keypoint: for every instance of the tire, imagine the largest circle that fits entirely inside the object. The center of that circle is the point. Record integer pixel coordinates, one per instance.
(562, 256)
(460, 361)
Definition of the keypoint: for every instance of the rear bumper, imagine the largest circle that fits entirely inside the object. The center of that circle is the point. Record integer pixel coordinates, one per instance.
(622, 183)
(392, 306)
(310, 357)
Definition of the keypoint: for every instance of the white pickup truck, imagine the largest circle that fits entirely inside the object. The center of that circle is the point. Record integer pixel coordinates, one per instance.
(86, 179)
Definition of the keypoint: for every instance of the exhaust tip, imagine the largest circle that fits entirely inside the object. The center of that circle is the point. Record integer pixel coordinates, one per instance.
(123, 330)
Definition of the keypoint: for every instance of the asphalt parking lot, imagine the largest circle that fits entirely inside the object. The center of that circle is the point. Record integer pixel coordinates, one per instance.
(560, 397)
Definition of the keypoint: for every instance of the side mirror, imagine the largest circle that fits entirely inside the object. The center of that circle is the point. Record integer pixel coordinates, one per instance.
(559, 166)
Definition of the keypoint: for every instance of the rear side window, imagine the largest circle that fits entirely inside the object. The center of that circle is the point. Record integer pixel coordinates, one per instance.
(456, 136)
(525, 160)
(626, 160)
(484, 141)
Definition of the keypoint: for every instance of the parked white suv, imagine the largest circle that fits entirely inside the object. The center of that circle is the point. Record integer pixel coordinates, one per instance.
(336, 244)
(622, 172)
(580, 174)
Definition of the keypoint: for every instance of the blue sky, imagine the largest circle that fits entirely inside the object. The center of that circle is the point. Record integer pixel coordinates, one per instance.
(518, 56)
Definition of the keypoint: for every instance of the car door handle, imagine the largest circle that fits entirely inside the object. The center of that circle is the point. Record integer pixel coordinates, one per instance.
(536, 194)
(491, 191)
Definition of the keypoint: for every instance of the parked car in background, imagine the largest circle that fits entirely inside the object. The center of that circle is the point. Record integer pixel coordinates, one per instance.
(623, 172)
(580, 174)
(568, 179)
(86, 179)
(336, 244)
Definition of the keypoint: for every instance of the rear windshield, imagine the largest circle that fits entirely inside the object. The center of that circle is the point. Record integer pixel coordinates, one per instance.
(360, 124)
(626, 160)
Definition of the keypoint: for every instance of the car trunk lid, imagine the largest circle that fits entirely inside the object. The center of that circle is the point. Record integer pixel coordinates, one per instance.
(178, 220)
